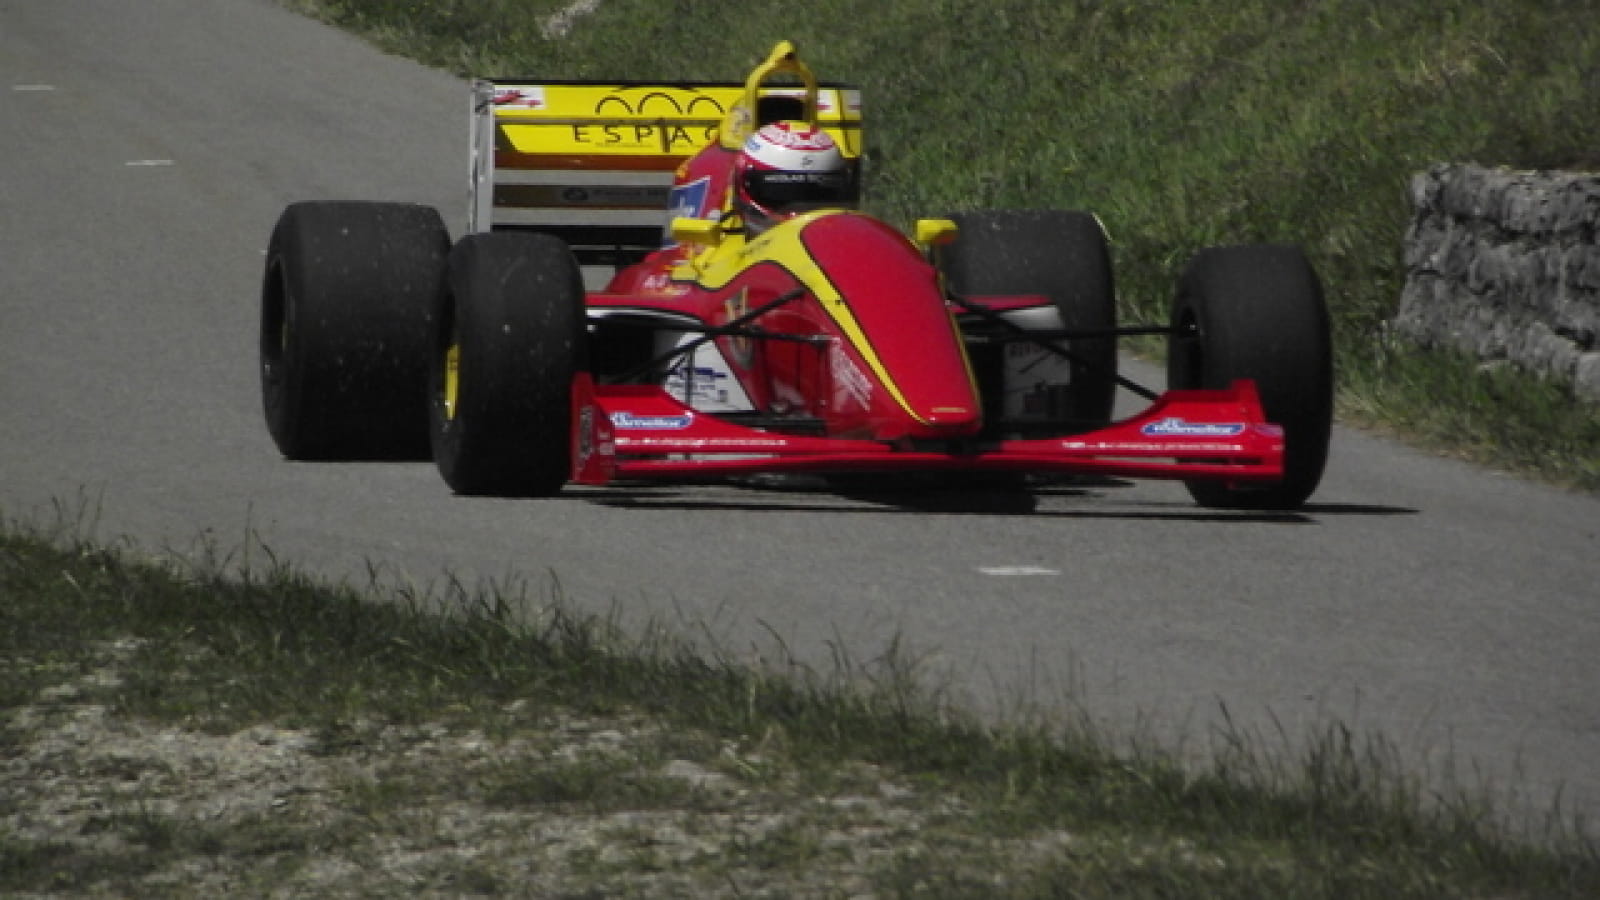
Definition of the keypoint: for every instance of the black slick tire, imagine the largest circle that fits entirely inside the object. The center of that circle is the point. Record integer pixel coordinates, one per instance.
(509, 335)
(1060, 254)
(345, 301)
(1258, 312)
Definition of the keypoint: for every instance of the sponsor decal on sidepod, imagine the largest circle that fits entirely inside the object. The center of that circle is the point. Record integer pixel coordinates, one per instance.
(630, 421)
(1172, 426)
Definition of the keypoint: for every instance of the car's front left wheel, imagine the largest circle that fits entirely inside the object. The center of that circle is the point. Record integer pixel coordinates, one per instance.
(345, 301)
(508, 337)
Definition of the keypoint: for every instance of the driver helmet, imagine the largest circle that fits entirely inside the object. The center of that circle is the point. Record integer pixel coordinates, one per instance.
(787, 168)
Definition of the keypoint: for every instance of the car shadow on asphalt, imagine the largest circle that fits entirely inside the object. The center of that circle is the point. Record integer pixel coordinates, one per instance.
(1358, 509)
(1081, 499)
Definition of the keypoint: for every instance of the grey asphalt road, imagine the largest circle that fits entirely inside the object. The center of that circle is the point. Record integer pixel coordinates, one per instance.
(145, 151)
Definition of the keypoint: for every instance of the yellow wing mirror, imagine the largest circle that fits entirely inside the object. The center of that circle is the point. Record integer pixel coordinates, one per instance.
(705, 232)
(936, 232)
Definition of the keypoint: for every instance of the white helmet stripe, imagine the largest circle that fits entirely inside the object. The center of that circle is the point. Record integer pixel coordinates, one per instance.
(774, 147)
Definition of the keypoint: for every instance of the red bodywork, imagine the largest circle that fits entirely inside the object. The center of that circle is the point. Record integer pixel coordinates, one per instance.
(849, 357)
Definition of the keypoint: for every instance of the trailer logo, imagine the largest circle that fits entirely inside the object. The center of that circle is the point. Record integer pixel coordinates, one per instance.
(1173, 426)
(633, 422)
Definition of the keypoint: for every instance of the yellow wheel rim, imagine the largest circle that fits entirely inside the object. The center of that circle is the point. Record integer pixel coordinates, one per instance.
(452, 378)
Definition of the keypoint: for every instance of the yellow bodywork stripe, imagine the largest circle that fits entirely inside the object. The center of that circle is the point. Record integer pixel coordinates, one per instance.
(719, 266)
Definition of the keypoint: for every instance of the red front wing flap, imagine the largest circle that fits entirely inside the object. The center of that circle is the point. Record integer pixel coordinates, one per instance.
(628, 432)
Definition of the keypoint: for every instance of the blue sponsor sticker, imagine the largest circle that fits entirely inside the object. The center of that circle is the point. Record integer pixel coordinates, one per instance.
(632, 422)
(685, 201)
(1173, 426)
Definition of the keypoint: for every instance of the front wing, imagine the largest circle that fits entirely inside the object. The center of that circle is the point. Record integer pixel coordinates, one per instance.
(639, 432)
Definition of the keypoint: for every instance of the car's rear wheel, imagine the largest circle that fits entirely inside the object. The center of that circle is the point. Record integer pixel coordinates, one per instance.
(509, 335)
(1257, 312)
(345, 301)
(1060, 254)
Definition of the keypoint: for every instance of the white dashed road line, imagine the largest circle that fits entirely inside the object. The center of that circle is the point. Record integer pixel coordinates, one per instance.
(1015, 571)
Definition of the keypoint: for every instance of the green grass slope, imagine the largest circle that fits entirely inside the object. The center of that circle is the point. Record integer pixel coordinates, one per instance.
(233, 728)
(1181, 124)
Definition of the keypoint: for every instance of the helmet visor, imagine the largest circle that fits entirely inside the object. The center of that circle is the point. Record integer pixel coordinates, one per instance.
(781, 191)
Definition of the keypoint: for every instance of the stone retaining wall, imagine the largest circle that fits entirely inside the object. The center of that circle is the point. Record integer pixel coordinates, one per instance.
(1505, 265)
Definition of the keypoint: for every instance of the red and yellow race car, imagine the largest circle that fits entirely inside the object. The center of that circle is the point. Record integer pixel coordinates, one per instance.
(675, 282)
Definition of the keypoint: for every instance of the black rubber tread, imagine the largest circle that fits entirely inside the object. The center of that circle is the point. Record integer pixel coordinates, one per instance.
(1061, 254)
(1258, 312)
(514, 303)
(345, 301)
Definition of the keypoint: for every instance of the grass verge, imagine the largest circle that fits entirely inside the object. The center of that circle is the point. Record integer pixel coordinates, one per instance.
(178, 730)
